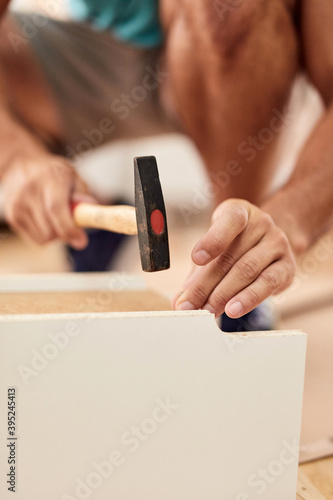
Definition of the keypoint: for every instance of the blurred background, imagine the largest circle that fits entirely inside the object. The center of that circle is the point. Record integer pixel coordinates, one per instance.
(308, 305)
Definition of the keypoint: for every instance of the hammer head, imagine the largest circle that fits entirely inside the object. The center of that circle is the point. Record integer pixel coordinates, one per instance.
(150, 215)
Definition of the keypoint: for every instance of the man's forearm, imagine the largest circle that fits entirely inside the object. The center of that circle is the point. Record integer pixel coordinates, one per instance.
(303, 208)
(14, 139)
(13, 135)
(3, 6)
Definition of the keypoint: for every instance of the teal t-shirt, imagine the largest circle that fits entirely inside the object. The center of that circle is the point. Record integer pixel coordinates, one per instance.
(133, 21)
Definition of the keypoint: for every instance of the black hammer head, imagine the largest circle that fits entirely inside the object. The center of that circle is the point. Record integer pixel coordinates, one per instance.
(150, 215)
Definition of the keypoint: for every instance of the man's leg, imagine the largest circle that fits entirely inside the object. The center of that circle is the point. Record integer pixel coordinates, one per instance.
(232, 64)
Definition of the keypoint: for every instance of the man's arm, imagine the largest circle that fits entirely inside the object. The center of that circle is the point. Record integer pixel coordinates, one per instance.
(240, 64)
(307, 197)
(37, 185)
(232, 65)
(3, 6)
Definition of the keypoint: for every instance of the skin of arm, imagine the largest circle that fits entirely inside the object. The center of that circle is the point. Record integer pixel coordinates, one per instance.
(248, 253)
(307, 197)
(37, 185)
(3, 6)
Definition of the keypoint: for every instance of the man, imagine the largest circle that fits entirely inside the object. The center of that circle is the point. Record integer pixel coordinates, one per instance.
(222, 72)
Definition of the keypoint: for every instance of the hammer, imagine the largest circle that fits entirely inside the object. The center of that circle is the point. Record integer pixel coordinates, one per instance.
(147, 219)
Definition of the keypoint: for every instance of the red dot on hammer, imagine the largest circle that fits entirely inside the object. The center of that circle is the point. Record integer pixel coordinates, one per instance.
(157, 221)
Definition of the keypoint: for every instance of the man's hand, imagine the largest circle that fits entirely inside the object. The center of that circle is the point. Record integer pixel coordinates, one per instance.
(243, 259)
(37, 193)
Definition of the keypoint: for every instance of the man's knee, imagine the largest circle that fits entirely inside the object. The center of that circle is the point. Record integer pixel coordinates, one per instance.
(231, 22)
(223, 24)
(230, 26)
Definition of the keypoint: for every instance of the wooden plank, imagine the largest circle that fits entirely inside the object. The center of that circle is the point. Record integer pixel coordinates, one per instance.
(306, 490)
(77, 292)
(76, 302)
(207, 405)
(315, 480)
(61, 282)
(189, 411)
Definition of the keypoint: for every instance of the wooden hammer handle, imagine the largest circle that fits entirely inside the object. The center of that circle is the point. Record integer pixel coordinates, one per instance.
(118, 218)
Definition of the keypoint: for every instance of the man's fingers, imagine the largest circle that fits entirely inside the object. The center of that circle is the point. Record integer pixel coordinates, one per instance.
(231, 221)
(272, 280)
(191, 276)
(40, 221)
(79, 197)
(243, 259)
(242, 274)
(29, 221)
(59, 214)
(27, 228)
(199, 285)
(215, 284)
(37, 196)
